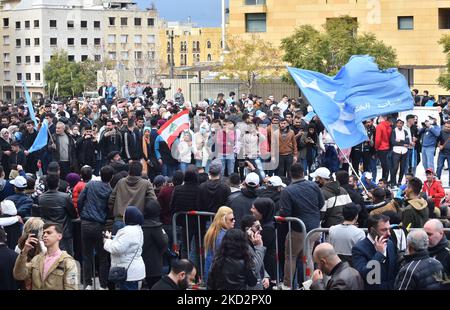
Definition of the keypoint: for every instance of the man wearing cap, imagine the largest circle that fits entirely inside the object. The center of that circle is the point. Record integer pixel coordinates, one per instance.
(23, 202)
(242, 202)
(433, 188)
(273, 190)
(430, 132)
(335, 198)
(400, 142)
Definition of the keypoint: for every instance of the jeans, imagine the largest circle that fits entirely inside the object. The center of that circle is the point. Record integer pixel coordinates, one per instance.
(183, 166)
(168, 170)
(66, 244)
(284, 165)
(291, 256)
(91, 233)
(199, 164)
(412, 161)
(129, 286)
(398, 159)
(373, 167)
(383, 156)
(428, 157)
(441, 161)
(228, 162)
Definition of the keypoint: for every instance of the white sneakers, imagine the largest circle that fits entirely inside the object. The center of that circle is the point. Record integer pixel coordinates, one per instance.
(88, 288)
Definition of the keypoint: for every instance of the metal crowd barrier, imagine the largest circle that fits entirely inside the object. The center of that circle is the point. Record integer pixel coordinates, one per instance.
(289, 221)
(175, 246)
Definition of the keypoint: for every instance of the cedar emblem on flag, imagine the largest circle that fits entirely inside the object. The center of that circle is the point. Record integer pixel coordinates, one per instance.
(174, 126)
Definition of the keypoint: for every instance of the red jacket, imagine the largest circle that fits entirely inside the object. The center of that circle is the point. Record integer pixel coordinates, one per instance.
(383, 136)
(76, 192)
(435, 191)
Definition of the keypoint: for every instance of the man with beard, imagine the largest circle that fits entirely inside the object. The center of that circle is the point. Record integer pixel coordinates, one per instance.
(28, 139)
(86, 146)
(181, 274)
(110, 140)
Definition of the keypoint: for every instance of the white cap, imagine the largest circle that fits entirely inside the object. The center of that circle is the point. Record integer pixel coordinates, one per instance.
(252, 179)
(322, 172)
(8, 207)
(368, 175)
(19, 182)
(276, 181)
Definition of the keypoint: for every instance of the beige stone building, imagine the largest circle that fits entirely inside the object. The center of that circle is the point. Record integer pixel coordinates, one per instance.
(192, 45)
(412, 27)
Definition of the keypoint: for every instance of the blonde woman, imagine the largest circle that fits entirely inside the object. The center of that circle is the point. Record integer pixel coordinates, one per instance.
(223, 221)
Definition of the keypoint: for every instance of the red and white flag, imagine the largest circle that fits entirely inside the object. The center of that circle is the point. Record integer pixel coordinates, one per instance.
(173, 127)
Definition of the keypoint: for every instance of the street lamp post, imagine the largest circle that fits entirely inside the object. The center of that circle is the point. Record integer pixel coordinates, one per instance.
(172, 60)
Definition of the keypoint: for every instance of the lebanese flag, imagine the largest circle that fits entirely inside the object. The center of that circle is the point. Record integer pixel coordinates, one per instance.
(173, 127)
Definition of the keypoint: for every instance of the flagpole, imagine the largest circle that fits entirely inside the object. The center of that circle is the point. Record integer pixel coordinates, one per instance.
(353, 169)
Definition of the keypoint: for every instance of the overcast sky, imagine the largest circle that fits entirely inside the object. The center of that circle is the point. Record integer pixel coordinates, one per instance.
(206, 13)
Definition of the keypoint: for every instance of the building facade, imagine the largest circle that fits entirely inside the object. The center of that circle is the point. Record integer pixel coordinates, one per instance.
(33, 30)
(191, 45)
(412, 27)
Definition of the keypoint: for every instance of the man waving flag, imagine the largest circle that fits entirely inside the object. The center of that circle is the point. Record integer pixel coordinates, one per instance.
(174, 126)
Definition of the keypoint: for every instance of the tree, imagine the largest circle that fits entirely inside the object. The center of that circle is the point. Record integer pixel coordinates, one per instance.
(327, 52)
(73, 78)
(249, 60)
(444, 78)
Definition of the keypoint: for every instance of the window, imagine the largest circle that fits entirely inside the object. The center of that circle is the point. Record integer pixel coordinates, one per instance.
(84, 57)
(208, 44)
(97, 41)
(196, 57)
(183, 46)
(123, 21)
(53, 23)
(28, 76)
(5, 22)
(19, 76)
(123, 38)
(151, 38)
(124, 55)
(36, 42)
(5, 57)
(71, 58)
(255, 2)
(27, 24)
(97, 57)
(150, 22)
(70, 24)
(255, 22)
(138, 55)
(138, 39)
(18, 42)
(112, 38)
(36, 23)
(405, 22)
(96, 24)
(37, 59)
(168, 46)
(112, 55)
(18, 60)
(408, 74)
(84, 24)
(183, 60)
(27, 42)
(7, 75)
(53, 41)
(209, 57)
(70, 41)
(168, 59)
(139, 72)
(112, 21)
(17, 25)
(151, 55)
(444, 18)
(27, 59)
(84, 41)
(37, 76)
(6, 40)
(137, 21)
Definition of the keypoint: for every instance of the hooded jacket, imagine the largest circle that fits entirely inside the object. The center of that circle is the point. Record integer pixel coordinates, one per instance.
(23, 203)
(434, 191)
(130, 191)
(416, 213)
(335, 199)
(441, 252)
(419, 273)
(156, 241)
(93, 202)
(242, 203)
(212, 195)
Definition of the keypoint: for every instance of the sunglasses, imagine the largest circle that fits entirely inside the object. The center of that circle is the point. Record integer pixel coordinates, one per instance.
(232, 220)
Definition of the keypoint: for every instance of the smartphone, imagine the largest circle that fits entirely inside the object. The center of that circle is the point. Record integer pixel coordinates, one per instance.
(249, 231)
(35, 232)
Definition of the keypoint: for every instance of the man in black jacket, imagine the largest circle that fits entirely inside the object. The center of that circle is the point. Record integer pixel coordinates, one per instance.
(8, 259)
(58, 208)
(93, 209)
(182, 272)
(420, 271)
(132, 141)
(110, 140)
(86, 146)
(27, 141)
(438, 247)
(63, 149)
(343, 177)
(242, 202)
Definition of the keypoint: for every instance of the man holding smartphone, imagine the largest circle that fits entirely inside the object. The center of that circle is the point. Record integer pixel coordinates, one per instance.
(375, 257)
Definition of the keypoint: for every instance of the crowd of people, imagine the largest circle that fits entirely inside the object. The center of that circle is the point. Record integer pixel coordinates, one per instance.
(107, 186)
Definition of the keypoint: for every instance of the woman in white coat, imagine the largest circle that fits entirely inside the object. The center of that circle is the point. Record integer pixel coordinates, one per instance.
(126, 248)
